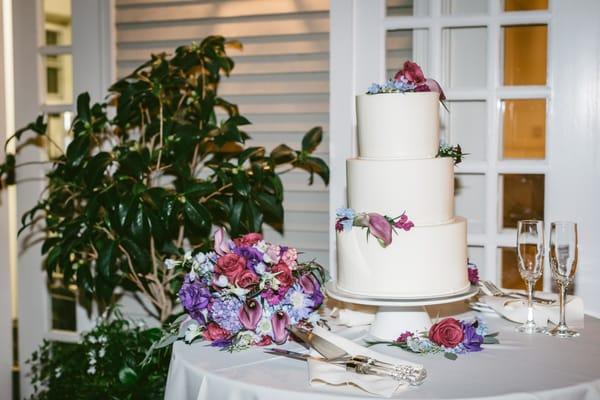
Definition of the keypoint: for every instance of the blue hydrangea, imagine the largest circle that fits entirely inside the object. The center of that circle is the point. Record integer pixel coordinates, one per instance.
(403, 86)
(373, 89)
(482, 328)
(345, 213)
(225, 312)
(419, 345)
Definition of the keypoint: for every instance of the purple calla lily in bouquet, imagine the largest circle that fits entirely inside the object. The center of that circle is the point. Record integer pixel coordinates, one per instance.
(247, 292)
(379, 226)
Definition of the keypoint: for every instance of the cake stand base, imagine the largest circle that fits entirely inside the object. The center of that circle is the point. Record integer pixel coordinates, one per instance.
(395, 316)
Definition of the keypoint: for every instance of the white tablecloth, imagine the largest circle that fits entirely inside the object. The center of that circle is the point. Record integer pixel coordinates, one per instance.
(521, 367)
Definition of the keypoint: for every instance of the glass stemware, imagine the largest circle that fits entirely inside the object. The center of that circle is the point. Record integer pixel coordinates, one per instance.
(530, 259)
(563, 263)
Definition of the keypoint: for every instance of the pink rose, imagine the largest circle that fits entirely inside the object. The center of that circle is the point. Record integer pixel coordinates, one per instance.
(447, 332)
(285, 277)
(381, 228)
(215, 332)
(230, 265)
(250, 314)
(245, 279)
(411, 72)
(290, 256)
(248, 239)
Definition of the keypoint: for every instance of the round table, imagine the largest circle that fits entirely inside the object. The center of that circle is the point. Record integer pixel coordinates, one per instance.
(520, 367)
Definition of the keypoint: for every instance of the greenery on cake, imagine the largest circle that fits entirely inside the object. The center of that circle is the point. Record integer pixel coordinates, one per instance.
(452, 151)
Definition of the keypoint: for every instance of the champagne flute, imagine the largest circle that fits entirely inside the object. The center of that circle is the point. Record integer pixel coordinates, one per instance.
(530, 259)
(563, 263)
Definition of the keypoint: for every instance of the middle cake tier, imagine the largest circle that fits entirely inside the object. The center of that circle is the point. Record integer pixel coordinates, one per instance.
(424, 189)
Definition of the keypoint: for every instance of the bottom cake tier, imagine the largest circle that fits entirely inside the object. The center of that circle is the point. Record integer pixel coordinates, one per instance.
(427, 261)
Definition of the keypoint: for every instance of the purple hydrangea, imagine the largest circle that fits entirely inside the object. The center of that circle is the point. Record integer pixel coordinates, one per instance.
(472, 341)
(195, 298)
(225, 312)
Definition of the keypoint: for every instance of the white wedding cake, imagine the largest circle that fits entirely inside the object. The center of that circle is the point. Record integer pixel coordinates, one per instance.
(398, 173)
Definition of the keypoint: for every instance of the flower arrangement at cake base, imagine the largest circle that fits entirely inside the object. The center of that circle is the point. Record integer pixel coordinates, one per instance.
(448, 336)
(246, 292)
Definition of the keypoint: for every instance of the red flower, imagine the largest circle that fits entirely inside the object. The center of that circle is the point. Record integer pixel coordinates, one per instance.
(411, 72)
(245, 279)
(215, 332)
(448, 333)
(248, 239)
(230, 265)
(264, 341)
(285, 277)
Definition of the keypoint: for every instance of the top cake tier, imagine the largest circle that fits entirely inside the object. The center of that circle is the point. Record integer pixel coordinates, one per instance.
(398, 125)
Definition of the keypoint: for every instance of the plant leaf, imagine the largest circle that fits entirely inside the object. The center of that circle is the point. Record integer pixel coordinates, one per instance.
(312, 139)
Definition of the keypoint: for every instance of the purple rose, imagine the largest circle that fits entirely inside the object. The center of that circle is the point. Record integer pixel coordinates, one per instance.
(252, 255)
(195, 298)
(280, 322)
(310, 285)
(381, 228)
(472, 341)
(250, 314)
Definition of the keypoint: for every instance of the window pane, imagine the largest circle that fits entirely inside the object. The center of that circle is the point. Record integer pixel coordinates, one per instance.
(464, 7)
(63, 306)
(469, 202)
(57, 22)
(476, 255)
(59, 79)
(58, 128)
(511, 278)
(525, 54)
(522, 198)
(466, 52)
(524, 128)
(525, 5)
(402, 8)
(403, 45)
(466, 124)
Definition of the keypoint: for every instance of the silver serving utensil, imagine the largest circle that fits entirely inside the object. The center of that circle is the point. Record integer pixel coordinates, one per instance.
(497, 292)
(402, 373)
(331, 351)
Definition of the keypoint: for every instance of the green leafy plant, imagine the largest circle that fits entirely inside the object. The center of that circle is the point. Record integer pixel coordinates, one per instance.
(109, 363)
(136, 188)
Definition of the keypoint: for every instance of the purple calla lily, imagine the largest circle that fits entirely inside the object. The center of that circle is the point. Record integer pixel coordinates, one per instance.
(250, 314)
(280, 321)
(221, 247)
(381, 228)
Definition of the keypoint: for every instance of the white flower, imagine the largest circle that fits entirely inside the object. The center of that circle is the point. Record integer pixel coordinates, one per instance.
(262, 246)
(297, 299)
(91, 370)
(264, 326)
(101, 353)
(192, 331)
(57, 372)
(222, 281)
(103, 339)
(187, 256)
(170, 264)
(200, 258)
(192, 275)
(92, 339)
(260, 268)
(237, 291)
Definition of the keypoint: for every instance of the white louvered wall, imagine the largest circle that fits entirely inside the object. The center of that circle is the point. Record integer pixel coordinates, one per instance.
(280, 82)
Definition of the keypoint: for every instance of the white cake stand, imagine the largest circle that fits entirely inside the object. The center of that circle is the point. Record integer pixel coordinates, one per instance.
(397, 315)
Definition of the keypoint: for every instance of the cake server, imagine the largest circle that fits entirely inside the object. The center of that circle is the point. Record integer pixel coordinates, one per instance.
(331, 351)
(402, 373)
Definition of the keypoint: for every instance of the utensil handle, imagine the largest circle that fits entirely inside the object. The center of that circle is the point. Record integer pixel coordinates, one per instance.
(406, 374)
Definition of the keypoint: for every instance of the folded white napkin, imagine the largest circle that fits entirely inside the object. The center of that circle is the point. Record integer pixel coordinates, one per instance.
(351, 318)
(516, 309)
(322, 373)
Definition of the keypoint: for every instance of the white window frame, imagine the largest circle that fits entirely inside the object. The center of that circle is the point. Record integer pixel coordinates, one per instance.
(358, 29)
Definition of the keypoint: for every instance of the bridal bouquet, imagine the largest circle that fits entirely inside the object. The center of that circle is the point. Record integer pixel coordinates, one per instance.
(246, 292)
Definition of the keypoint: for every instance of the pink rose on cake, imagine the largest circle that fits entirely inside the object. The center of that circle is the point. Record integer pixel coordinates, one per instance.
(410, 73)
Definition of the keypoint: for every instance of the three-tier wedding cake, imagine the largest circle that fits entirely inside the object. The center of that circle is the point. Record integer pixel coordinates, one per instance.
(399, 238)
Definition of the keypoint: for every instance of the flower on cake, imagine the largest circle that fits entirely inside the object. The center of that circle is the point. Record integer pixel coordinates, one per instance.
(449, 336)
(246, 292)
(473, 273)
(379, 226)
(409, 79)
